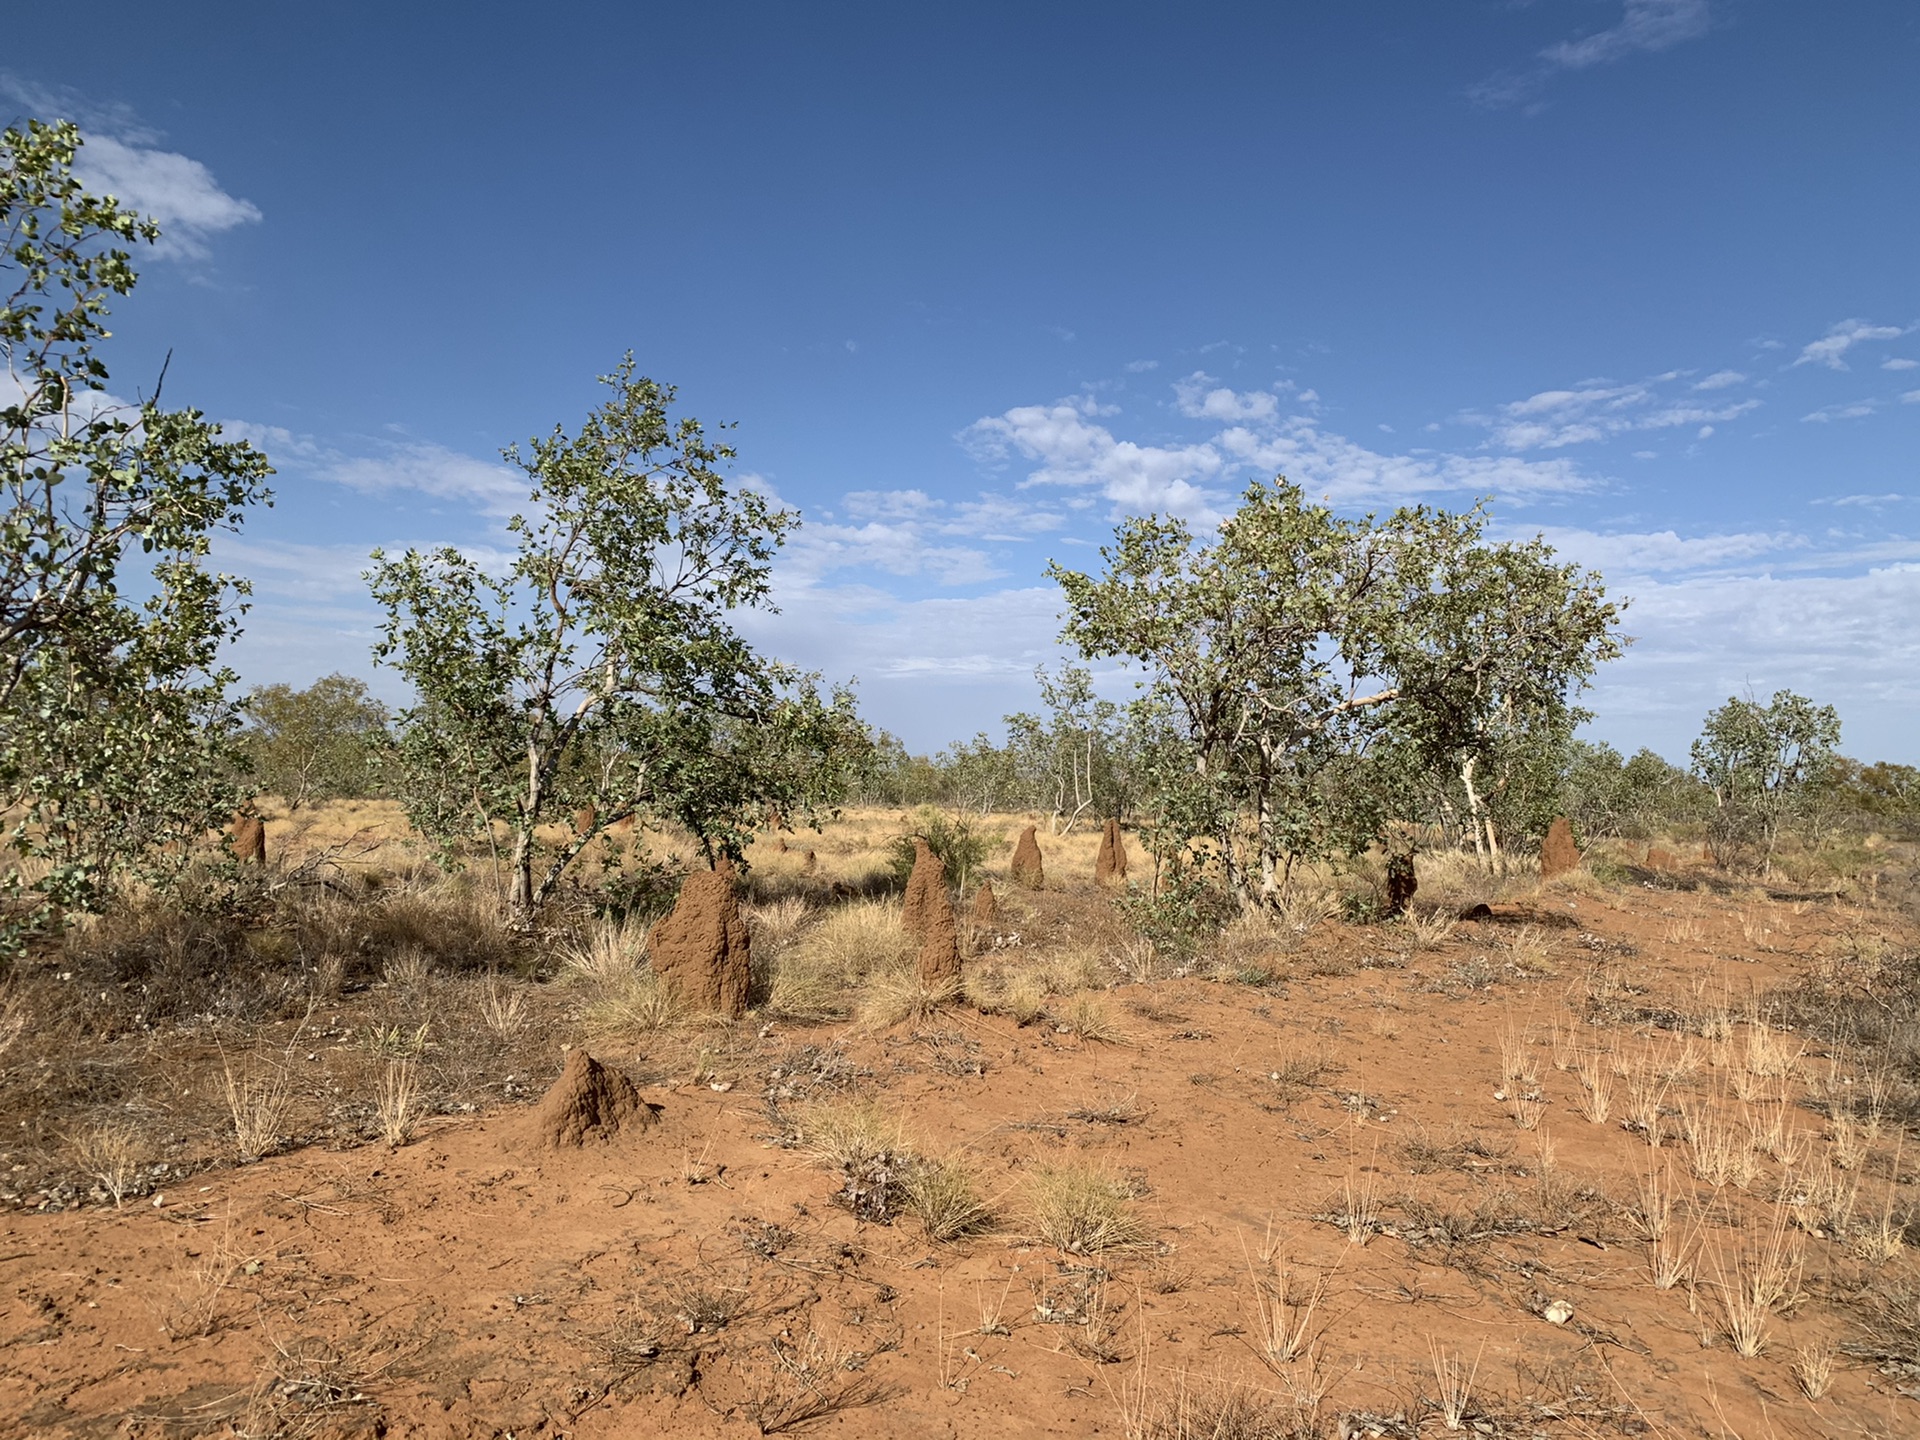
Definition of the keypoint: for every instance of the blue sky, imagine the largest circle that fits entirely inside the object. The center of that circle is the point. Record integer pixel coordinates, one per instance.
(976, 280)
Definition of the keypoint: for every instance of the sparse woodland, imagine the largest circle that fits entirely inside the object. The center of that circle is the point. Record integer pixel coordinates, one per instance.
(1239, 1140)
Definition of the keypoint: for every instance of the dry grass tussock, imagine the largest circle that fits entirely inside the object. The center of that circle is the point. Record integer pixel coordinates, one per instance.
(818, 974)
(607, 960)
(258, 1096)
(1016, 991)
(111, 1151)
(1083, 1209)
(896, 997)
(882, 1174)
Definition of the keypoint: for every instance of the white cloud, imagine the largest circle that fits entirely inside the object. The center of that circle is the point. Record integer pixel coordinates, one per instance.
(1619, 553)
(1910, 397)
(1193, 480)
(178, 192)
(1646, 25)
(820, 547)
(1199, 397)
(1830, 349)
(1872, 502)
(1721, 379)
(900, 534)
(276, 440)
(1899, 362)
(1597, 410)
(121, 157)
(1845, 640)
(931, 669)
(1140, 367)
(1854, 410)
(437, 471)
(1326, 463)
(1074, 451)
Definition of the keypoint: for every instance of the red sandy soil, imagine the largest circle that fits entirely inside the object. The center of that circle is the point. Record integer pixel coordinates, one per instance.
(698, 1279)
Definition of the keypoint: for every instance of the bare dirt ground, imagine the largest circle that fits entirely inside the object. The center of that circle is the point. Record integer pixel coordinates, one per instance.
(1339, 1180)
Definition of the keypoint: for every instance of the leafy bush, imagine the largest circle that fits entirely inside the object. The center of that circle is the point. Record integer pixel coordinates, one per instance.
(960, 847)
(1183, 909)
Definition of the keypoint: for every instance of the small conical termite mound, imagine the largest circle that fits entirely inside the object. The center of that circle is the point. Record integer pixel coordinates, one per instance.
(587, 1102)
(1558, 854)
(250, 838)
(929, 874)
(929, 917)
(583, 819)
(1028, 870)
(1657, 859)
(986, 908)
(1110, 866)
(701, 950)
(779, 844)
(809, 863)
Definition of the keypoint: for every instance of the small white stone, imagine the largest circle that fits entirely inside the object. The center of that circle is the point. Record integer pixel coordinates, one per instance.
(1558, 1312)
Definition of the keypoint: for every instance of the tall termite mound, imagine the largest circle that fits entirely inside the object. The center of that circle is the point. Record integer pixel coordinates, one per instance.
(1558, 854)
(701, 950)
(986, 908)
(1110, 865)
(921, 882)
(928, 916)
(1027, 867)
(587, 1102)
(249, 838)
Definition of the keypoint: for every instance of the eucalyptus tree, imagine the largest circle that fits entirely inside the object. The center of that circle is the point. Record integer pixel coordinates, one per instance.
(1298, 641)
(116, 731)
(1069, 758)
(319, 743)
(600, 666)
(1493, 643)
(1761, 761)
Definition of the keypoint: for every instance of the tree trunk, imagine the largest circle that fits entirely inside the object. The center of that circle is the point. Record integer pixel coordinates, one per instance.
(520, 897)
(1473, 810)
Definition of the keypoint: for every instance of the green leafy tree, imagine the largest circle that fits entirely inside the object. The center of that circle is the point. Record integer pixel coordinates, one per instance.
(1761, 762)
(1069, 758)
(116, 731)
(1633, 798)
(977, 775)
(320, 743)
(601, 668)
(1299, 640)
(1493, 642)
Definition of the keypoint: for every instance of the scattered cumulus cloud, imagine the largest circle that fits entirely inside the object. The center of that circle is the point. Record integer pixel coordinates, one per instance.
(1072, 450)
(1830, 349)
(1140, 367)
(1069, 445)
(1199, 397)
(1899, 362)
